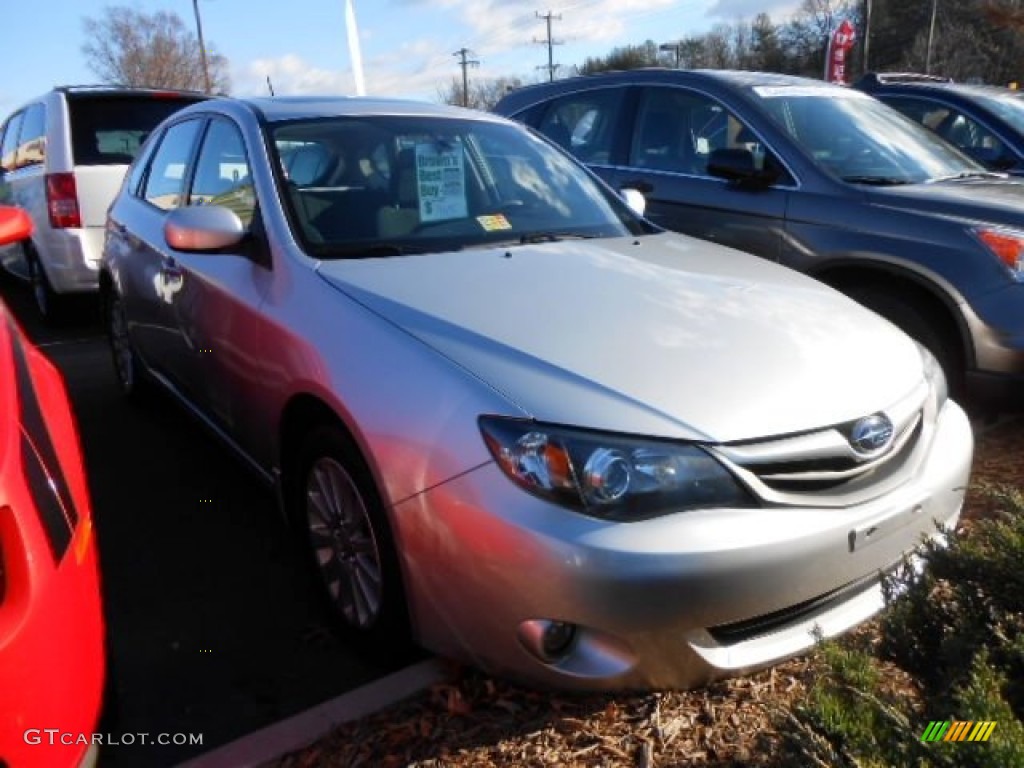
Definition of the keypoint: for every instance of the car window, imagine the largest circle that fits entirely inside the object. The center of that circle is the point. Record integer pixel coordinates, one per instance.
(9, 148)
(583, 123)
(677, 129)
(165, 177)
(32, 141)
(422, 184)
(956, 127)
(222, 172)
(109, 129)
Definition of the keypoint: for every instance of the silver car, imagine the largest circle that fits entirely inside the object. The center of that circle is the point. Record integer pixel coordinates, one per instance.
(512, 419)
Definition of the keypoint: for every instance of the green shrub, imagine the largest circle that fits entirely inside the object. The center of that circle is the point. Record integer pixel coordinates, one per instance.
(957, 629)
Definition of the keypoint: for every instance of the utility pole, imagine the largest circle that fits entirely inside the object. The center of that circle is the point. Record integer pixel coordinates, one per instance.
(676, 47)
(465, 64)
(551, 67)
(202, 45)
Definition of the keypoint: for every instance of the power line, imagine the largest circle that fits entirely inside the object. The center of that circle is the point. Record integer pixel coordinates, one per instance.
(551, 67)
(465, 64)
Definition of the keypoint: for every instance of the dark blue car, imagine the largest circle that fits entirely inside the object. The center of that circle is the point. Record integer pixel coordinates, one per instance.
(822, 178)
(983, 121)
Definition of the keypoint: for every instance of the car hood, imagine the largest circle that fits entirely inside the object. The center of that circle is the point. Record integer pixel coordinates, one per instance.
(993, 200)
(660, 335)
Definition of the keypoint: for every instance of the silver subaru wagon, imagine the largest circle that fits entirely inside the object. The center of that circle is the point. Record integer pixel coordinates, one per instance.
(514, 421)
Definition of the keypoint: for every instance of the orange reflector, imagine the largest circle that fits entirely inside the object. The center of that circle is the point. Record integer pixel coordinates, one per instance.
(82, 540)
(1009, 249)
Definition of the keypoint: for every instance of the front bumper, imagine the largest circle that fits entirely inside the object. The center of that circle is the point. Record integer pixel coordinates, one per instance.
(671, 602)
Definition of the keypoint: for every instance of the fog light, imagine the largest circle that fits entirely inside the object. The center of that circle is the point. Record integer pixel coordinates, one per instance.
(557, 639)
(550, 641)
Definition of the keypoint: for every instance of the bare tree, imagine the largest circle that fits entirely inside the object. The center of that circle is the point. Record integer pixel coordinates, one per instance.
(483, 94)
(129, 47)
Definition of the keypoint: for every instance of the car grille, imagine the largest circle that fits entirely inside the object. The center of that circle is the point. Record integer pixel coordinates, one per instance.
(823, 463)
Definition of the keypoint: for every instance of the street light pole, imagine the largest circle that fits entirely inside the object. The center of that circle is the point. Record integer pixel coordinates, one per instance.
(202, 45)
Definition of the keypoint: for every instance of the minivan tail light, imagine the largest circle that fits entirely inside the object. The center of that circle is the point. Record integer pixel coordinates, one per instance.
(62, 201)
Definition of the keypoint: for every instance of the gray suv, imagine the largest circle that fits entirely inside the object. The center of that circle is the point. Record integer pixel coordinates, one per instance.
(821, 178)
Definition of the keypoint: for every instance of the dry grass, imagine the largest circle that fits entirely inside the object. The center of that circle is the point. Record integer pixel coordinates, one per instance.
(477, 721)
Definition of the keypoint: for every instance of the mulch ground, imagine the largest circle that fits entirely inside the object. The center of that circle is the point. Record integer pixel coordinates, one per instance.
(474, 720)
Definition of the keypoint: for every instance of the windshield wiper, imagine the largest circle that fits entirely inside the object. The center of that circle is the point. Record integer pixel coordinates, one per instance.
(552, 237)
(878, 181)
(369, 250)
(968, 175)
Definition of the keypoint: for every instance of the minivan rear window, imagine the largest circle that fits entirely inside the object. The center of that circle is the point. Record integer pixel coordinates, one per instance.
(109, 130)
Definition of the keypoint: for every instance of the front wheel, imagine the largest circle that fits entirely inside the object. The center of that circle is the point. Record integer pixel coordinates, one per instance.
(349, 540)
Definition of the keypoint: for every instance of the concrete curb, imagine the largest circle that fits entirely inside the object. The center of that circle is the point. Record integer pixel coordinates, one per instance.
(301, 730)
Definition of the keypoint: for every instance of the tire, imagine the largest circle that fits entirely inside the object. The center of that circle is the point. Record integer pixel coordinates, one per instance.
(917, 323)
(131, 377)
(349, 544)
(50, 304)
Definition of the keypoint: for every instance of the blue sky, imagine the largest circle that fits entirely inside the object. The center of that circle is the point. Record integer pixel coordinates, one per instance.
(407, 45)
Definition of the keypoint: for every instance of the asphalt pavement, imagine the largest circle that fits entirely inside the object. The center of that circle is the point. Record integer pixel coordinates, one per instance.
(213, 625)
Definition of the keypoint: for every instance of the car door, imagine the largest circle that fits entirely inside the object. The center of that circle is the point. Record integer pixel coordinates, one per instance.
(215, 311)
(672, 134)
(148, 275)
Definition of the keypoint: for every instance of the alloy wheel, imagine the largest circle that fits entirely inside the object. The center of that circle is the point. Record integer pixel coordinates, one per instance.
(344, 543)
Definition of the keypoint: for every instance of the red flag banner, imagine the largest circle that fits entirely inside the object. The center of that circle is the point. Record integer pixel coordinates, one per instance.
(839, 46)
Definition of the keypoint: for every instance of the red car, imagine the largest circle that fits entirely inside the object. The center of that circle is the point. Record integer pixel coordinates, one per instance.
(51, 621)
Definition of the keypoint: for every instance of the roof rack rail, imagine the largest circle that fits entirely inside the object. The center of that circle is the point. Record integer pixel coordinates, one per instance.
(881, 78)
(120, 87)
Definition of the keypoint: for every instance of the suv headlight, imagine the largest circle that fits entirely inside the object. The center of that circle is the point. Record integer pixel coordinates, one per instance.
(933, 374)
(609, 476)
(1007, 245)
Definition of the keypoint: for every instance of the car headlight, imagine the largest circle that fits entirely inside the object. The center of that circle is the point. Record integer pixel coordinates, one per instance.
(609, 476)
(1007, 245)
(935, 377)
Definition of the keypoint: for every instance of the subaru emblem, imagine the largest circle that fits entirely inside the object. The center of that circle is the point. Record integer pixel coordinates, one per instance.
(871, 436)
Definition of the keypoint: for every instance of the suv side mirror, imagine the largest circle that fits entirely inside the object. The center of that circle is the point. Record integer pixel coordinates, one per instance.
(738, 165)
(15, 225)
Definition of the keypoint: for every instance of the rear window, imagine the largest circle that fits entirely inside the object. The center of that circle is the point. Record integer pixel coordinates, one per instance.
(109, 130)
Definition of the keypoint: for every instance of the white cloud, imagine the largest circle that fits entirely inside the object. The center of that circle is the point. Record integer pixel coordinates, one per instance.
(290, 76)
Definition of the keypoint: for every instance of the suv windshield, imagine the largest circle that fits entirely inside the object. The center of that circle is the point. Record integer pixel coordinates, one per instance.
(109, 129)
(859, 139)
(365, 186)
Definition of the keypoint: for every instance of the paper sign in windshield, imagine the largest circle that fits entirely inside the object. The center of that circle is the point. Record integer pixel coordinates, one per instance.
(441, 182)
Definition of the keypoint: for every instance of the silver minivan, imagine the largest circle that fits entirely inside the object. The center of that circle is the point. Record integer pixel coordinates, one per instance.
(63, 157)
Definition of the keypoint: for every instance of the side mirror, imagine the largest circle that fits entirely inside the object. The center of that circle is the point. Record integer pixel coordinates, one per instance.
(634, 199)
(738, 165)
(203, 228)
(15, 225)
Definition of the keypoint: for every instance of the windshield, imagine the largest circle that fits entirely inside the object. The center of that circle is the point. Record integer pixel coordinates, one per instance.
(860, 140)
(383, 185)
